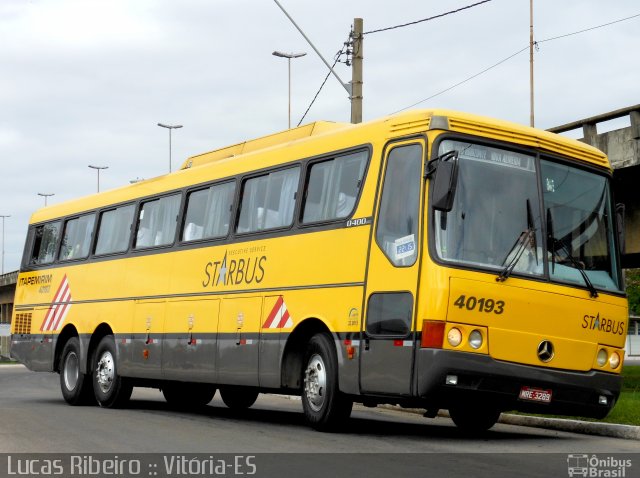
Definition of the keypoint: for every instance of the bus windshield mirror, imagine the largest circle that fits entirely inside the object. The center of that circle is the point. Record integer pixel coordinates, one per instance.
(446, 180)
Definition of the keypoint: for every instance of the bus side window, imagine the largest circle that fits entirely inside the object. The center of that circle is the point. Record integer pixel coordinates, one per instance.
(157, 222)
(268, 201)
(44, 243)
(114, 230)
(397, 229)
(208, 212)
(332, 187)
(76, 239)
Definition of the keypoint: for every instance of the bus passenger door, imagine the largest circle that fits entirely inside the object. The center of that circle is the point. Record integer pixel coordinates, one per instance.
(388, 337)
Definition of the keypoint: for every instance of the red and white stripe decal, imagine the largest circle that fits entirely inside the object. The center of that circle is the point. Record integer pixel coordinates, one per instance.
(59, 307)
(279, 317)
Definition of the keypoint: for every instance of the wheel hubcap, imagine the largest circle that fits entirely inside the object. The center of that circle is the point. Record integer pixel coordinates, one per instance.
(71, 371)
(315, 382)
(105, 371)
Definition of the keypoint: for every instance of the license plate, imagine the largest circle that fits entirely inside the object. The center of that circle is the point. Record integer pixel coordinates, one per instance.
(535, 394)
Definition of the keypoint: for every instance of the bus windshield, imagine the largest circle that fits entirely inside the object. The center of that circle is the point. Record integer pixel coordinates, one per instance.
(499, 220)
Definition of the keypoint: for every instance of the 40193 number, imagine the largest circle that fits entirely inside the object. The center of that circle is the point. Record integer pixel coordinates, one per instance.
(481, 304)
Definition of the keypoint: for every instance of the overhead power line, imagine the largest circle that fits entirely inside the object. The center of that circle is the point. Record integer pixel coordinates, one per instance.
(341, 52)
(512, 56)
(426, 19)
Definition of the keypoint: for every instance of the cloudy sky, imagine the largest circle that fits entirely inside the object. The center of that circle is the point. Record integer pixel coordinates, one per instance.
(86, 81)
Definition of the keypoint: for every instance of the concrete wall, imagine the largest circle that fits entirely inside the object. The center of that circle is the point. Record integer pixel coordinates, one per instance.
(7, 291)
(623, 148)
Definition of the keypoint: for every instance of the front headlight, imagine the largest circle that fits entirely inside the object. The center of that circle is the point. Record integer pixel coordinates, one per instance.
(454, 337)
(475, 339)
(614, 360)
(602, 357)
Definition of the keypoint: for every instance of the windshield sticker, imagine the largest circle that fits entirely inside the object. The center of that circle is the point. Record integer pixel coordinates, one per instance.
(404, 246)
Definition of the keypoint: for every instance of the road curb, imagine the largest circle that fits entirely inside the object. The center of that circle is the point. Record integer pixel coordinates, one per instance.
(613, 430)
(628, 432)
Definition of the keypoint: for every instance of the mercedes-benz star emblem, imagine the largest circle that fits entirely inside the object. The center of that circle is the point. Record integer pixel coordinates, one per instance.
(545, 351)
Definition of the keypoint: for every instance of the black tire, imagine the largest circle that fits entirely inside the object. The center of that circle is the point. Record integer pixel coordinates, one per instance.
(238, 398)
(325, 408)
(110, 389)
(75, 386)
(474, 419)
(188, 395)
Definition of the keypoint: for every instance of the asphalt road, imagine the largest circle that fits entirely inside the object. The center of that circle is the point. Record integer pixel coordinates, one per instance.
(376, 442)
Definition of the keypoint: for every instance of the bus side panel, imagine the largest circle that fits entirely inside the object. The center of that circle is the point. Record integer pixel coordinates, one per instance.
(190, 341)
(238, 342)
(34, 351)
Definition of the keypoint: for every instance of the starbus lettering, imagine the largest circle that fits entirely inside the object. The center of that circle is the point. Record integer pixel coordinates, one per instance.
(245, 270)
(595, 322)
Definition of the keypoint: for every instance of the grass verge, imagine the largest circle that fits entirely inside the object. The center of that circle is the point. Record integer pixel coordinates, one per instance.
(627, 409)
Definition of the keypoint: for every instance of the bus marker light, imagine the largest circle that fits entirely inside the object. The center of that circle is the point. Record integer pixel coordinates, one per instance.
(451, 380)
(432, 334)
(454, 337)
(351, 352)
(145, 354)
(602, 400)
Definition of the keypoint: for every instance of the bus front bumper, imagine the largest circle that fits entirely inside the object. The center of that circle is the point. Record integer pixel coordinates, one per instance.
(448, 378)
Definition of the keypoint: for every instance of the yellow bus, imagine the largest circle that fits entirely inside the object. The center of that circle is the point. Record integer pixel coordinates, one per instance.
(430, 259)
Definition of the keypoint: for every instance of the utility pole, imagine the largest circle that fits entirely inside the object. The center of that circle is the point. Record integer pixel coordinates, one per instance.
(356, 72)
(531, 45)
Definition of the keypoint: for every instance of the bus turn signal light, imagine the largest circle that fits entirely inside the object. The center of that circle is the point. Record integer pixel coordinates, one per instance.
(432, 334)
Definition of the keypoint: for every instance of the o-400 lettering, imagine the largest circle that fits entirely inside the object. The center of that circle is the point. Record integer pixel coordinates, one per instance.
(482, 304)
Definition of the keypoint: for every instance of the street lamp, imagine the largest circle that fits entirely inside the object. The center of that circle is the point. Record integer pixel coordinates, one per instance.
(3, 216)
(98, 168)
(288, 56)
(45, 196)
(170, 127)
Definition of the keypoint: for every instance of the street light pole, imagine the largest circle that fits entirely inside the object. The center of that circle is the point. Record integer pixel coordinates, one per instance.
(3, 216)
(98, 168)
(45, 196)
(170, 127)
(288, 56)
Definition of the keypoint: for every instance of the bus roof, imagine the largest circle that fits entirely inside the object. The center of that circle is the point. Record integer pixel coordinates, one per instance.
(311, 140)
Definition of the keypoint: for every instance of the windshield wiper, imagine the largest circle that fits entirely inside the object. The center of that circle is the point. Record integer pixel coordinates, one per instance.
(552, 245)
(526, 237)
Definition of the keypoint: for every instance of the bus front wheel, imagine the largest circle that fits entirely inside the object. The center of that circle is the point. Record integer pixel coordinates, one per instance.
(110, 389)
(474, 419)
(325, 408)
(75, 385)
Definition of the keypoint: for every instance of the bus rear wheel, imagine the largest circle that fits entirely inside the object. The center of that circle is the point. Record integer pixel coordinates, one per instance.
(75, 385)
(238, 398)
(110, 389)
(325, 408)
(188, 395)
(474, 419)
